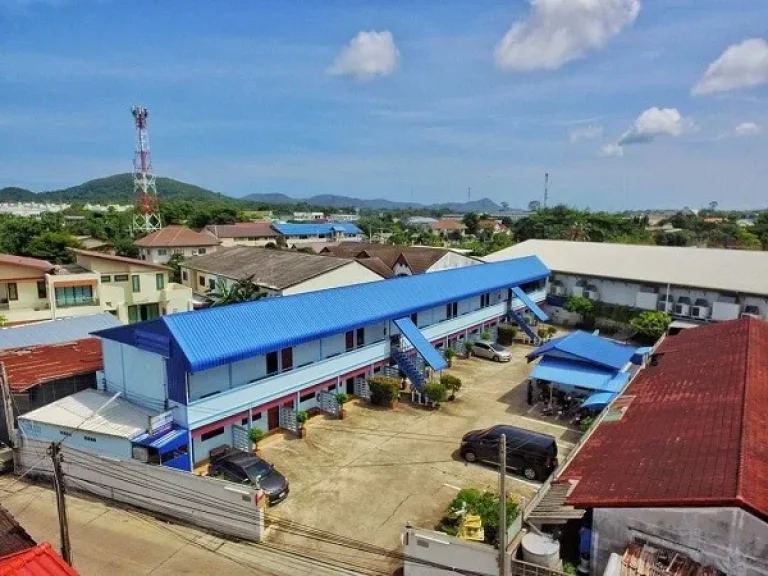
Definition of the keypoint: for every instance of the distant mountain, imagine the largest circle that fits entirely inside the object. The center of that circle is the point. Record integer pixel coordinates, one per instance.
(332, 201)
(13, 194)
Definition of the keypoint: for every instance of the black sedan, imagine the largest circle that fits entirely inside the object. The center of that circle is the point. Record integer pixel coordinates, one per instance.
(245, 468)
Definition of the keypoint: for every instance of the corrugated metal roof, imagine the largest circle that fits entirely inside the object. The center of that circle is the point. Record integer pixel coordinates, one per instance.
(588, 347)
(55, 331)
(227, 334)
(312, 229)
(120, 418)
(578, 374)
(716, 269)
(41, 560)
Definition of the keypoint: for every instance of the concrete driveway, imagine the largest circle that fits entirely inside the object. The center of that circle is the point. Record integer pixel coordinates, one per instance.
(366, 476)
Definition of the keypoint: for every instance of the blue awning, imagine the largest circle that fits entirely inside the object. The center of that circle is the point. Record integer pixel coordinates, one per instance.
(422, 345)
(579, 375)
(530, 304)
(640, 354)
(164, 441)
(598, 401)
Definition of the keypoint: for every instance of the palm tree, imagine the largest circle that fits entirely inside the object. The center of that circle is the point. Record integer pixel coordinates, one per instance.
(244, 290)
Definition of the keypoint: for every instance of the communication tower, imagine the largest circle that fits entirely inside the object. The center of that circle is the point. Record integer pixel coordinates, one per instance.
(146, 217)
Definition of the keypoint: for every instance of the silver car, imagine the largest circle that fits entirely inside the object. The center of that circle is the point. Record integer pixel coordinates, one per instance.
(492, 351)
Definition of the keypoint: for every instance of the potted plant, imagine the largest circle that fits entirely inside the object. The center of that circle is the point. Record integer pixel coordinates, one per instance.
(452, 384)
(301, 419)
(341, 399)
(435, 392)
(450, 354)
(255, 435)
(468, 348)
(551, 331)
(542, 333)
(486, 335)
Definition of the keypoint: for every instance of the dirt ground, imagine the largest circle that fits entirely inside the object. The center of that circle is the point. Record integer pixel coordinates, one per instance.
(368, 475)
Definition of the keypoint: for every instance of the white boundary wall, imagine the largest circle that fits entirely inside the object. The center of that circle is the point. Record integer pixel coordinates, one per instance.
(220, 506)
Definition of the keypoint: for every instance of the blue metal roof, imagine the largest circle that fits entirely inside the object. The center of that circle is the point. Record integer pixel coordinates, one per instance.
(164, 441)
(422, 345)
(217, 336)
(569, 373)
(588, 347)
(530, 304)
(598, 400)
(55, 331)
(313, 229)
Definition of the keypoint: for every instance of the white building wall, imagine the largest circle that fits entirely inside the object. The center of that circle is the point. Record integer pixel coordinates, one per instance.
(306, 353)
(352, 273)
(400, 269)
(137, 374)
(333, 345)
(163, 255)
(201, 448)
(248, 370)
(452, 260)
(104, 444)
(209, 382)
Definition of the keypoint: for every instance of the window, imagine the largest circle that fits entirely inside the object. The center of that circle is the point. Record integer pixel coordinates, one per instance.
(89, 438)
(201, 251)
(201, 280)
(255, 417)
(178, 251)
(121, 277)
(106, 279)
(485, 300)
(13, 291)
(162, 251)
(287, 359)
(272, 363)
(135, 283)
(349, 340)
(244, 422)
(74, 295)
(361, 337)
(160, 281)
(452, 310)
(65, 433)
(415, 318)
(212, 284)
(42, 289)
(306, 397)
(212, 434)
(184, 275)
(133, 314)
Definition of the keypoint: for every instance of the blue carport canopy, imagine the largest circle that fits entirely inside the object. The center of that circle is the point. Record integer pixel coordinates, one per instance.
(422, 345)
(530, 304)
(166, 441)
(579, 375)
(598, 400)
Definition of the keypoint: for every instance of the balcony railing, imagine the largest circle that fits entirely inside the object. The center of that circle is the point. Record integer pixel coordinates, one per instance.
(80, 302)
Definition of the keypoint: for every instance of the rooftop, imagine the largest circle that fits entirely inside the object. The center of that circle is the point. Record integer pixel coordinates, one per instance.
(218, 336)
(694, 431)
(28, 367)
(588, 347)
(243, 230)
(13, 537)
(716, 269)
(113, 258)
(119, 418)
(446, 224)
(41, 560)
(418, 258)
(311, 229)
(55, 331)
(176, 237)
(35, 263)
(276, 269)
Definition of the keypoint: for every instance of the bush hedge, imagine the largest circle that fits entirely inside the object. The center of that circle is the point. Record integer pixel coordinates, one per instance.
(384, 390)
(485, 505)
(436, 392)
(507, 334)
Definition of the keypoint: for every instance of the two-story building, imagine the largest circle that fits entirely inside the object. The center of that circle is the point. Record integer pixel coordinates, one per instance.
(158, 247)
(225, 370)
(298, 235)
(243, 234)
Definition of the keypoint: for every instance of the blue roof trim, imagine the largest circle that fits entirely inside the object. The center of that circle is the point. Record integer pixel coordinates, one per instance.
(569, 373)
(530, 304)
(590, 348)
(217, 336)
(598, 400)
(422, 345)
(165, 441)
(312, 229)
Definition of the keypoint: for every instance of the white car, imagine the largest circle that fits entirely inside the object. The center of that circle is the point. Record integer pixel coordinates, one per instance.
(491, 350)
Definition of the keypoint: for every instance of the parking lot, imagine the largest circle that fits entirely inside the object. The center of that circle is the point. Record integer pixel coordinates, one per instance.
(366, 476)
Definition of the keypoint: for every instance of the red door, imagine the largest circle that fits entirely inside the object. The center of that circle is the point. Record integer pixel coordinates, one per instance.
(273, 418)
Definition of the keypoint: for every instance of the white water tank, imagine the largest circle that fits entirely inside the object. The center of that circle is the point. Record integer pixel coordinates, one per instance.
(541, 550)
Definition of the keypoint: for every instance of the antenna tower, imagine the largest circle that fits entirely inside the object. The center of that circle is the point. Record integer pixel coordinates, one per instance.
(546, 188)
(146, 217)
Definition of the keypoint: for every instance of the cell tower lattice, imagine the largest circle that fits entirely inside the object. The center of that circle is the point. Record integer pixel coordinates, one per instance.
(146, 217)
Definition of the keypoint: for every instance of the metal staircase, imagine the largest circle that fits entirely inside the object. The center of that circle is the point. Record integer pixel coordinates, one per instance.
(412, 367)
(520, 321)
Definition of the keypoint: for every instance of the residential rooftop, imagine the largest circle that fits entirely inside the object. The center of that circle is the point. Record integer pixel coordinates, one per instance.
(242, 230)
(744, 271)
(113, 258)
(176, 237)
(418, 258)
(40, 560)
(13, 538)
(55, 331)
(312, 229)
(692, 430)
(23, 261)
(447, 224)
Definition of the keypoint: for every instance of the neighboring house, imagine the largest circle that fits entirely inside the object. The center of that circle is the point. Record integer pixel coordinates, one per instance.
(445, 227)
(55, 331)
(420, 221)
(493, 226)
(680, 458)
(95, 244)
(243, 234)
(344, 217)
(401, 260)
(308, 216)
(227, 369)
(693, 284)
(158, 247)
(133, 290)
(298, 235)
(13, 537)
(40, 560)
(39, 375)
(275, 272)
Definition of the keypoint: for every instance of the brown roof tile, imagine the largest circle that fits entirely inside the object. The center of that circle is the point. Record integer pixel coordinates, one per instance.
(113, 258)
(25, 262)
(243, 230)
(176, 237)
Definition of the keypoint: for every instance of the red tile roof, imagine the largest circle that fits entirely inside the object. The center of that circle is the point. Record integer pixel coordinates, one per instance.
(34, 365)
(176, 237)
(695, 432)
(13, 537)
(41, 560)
(123, 259)
(447, 224)
(25, 262)
(243, 230)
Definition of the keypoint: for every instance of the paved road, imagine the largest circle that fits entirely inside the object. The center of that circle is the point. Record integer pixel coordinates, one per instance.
(115, 541)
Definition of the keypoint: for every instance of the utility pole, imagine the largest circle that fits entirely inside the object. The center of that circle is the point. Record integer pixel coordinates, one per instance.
(503, 564)
(58, 485)
(546, 188)
(5, 392)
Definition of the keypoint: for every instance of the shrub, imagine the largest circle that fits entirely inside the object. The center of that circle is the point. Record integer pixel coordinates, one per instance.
(449, 354)
(581, 305)
(485, 505)
(486, 335)
(468, 347)
(551, 331)
(436, 392)
(451, 383)
(507, 334)
(542, 332)
(255, 435)
(586, 423)
(342, 398)
(651, 324)
(384, 390)
(302, 417)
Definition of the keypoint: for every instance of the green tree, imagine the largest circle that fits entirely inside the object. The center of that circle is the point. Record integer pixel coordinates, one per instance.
(472, 221)
(651, 324)
(580, 305)
(125, 247)
(53, 246)
(174, 263)
(244, 290)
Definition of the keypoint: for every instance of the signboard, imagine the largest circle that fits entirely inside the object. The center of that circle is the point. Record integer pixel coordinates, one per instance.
(160, 423)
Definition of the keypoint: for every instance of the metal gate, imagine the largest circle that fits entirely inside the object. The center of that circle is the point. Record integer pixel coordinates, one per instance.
(362, 390)
(288, 419)
(240, 439)
(328, 403)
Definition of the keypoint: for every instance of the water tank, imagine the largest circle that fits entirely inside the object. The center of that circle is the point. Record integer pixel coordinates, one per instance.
(541, 550)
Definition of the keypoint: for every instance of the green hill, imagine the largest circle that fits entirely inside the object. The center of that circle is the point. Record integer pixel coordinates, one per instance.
(117, 189)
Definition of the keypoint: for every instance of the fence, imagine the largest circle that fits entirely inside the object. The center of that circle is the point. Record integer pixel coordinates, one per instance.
(221, 506)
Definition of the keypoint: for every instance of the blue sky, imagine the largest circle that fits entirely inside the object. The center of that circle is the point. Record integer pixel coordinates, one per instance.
(626, 103)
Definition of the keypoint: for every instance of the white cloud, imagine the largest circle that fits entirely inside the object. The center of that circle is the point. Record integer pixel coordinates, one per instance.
(585, 133)
(740, 66)
(369, 54)
(651, 124)
(747, 129)
(558, 31)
